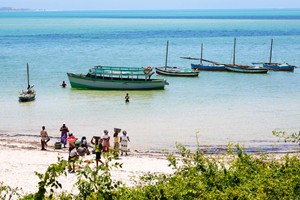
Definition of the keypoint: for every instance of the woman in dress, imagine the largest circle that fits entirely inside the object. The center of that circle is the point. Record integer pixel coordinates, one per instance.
(124, 139)
(116, 141)
(106, 139)
(64, 134)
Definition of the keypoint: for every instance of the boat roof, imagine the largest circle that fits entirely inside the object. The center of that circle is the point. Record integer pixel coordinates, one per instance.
(118, 70)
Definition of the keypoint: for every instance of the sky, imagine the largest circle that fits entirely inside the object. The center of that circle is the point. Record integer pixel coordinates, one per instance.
(148, 4)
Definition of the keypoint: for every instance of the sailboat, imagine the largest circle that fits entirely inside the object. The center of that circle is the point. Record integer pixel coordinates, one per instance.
(277, 66)
(29, 94)
(243, 68)
(174, 71)
(206, 67)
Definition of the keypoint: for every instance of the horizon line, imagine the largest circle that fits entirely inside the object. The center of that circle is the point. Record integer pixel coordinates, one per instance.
(165, 9)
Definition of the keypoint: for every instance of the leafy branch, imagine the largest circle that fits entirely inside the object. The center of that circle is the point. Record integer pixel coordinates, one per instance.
(294, 137)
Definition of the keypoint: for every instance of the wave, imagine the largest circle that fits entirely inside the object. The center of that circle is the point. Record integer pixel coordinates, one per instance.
(156, 34)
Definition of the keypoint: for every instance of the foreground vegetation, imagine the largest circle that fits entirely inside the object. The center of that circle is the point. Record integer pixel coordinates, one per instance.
(196, 176)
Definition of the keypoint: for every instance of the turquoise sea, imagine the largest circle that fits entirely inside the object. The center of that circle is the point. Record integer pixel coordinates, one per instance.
(219, 107)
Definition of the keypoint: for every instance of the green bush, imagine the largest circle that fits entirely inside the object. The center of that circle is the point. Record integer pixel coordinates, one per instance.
(97, 183)
(241, 176)
(6, 192)
(294, 137)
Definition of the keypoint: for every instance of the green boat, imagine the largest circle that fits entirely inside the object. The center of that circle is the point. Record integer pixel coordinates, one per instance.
(117, 78)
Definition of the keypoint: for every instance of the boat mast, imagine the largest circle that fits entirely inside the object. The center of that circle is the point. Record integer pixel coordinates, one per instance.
(271, 49)
(234, 44)
(201, 53)
(166, 63)
(27, 75)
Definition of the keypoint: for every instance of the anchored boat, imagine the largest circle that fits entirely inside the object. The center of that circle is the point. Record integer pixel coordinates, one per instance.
(208, 67)
(213, 66)
(216, 66)
(117, 78)
(175, 71)
(276, 66)
(243, 68)
(29, 94)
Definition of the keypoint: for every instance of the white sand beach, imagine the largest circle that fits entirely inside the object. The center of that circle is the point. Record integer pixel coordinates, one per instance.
(20, 158)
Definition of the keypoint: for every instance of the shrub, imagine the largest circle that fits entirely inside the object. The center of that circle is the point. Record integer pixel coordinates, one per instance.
(97, 183)
(6, 192)
(242, 176)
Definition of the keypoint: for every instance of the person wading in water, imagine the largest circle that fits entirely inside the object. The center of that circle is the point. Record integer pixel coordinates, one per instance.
(127, 98)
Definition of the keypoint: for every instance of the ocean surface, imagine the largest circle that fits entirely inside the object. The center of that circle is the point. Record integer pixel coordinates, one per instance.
(217, 107)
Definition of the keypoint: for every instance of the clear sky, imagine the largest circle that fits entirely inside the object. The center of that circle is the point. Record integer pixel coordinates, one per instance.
(148, 4)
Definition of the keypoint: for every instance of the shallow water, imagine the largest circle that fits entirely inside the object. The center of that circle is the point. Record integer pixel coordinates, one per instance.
(219, 107)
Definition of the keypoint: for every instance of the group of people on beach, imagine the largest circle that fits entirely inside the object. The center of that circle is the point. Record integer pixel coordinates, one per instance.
(101, 144)
(80, 147)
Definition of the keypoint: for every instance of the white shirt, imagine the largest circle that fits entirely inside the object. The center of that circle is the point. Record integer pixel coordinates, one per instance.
(73, 153)
(105, 136)
(124, 138)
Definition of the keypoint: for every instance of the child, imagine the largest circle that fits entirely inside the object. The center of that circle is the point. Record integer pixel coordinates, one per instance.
(73, 156)
(98, 149)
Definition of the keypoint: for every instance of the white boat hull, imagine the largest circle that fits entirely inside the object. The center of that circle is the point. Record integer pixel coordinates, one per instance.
(246, 70)
(24, 97)
(174, 72)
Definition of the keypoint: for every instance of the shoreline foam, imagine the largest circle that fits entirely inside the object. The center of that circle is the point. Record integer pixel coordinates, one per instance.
(277, 147)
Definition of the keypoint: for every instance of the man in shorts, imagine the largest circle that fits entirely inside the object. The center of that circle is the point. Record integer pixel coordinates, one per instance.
(44, 138)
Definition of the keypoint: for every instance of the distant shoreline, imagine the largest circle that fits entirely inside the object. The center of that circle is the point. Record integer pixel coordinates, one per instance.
(11, 9)
(196, 14)
(150, 10)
